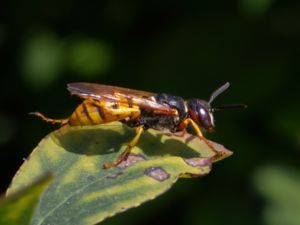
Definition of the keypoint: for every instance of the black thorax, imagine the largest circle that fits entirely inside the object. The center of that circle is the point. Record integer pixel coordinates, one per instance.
(150, 119)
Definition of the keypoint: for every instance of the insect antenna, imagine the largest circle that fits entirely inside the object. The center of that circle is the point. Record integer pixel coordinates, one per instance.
(217, 92)
(229, 106)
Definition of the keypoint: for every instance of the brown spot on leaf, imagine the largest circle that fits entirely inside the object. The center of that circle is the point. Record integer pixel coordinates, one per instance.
(157, 173)
(131, 159)
(199, 162)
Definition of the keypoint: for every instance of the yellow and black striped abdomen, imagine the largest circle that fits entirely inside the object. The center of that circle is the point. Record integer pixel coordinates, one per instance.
(92, 112)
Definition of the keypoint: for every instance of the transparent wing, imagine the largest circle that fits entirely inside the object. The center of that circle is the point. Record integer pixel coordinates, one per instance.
(119, 94)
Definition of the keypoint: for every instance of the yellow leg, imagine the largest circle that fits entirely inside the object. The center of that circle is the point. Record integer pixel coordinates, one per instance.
(49, 120)
(139, 130)
(199, 134)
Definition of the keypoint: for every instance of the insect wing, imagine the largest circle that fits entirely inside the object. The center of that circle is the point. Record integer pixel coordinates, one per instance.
(92, 89)
(119, 94)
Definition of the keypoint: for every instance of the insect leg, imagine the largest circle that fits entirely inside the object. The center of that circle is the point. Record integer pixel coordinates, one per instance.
(199, 134)
(49, 120)
(139, 130)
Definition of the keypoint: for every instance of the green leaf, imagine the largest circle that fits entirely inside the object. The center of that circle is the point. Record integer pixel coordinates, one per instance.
(85, 193)
(18, 208)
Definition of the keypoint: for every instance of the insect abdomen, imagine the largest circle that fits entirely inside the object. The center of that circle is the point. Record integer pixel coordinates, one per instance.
(92, 112)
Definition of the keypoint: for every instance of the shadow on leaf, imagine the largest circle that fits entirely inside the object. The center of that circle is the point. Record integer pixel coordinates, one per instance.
(101, 140)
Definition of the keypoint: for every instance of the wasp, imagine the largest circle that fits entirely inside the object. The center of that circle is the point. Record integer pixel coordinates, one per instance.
(141, 110)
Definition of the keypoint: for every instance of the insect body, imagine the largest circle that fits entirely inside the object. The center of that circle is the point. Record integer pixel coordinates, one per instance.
(140, 109)
(93, 112)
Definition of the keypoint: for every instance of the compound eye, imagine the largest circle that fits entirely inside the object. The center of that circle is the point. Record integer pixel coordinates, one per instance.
(203, 113)
(199, 112)
(205, 118)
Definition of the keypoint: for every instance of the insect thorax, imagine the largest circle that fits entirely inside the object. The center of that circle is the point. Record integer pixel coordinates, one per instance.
(150, 119)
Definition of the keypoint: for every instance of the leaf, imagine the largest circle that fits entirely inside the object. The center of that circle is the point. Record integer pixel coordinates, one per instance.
(84, 193)
(18, 208)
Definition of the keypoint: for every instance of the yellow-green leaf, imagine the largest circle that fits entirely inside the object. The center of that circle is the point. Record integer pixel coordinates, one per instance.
(84, 193)
(18, 208)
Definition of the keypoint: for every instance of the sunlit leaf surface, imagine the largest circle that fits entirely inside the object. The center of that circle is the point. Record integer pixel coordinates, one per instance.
(85, 193)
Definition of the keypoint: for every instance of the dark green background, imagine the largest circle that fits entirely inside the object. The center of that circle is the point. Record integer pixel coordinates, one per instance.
(188, 48)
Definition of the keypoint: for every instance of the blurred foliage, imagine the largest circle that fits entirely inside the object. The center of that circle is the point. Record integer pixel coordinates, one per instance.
(280, 186)
(255, 7)
(286, 123)
(89, 57)
(7, 128)
(18, 208)
(187, 48)
(42, 59)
